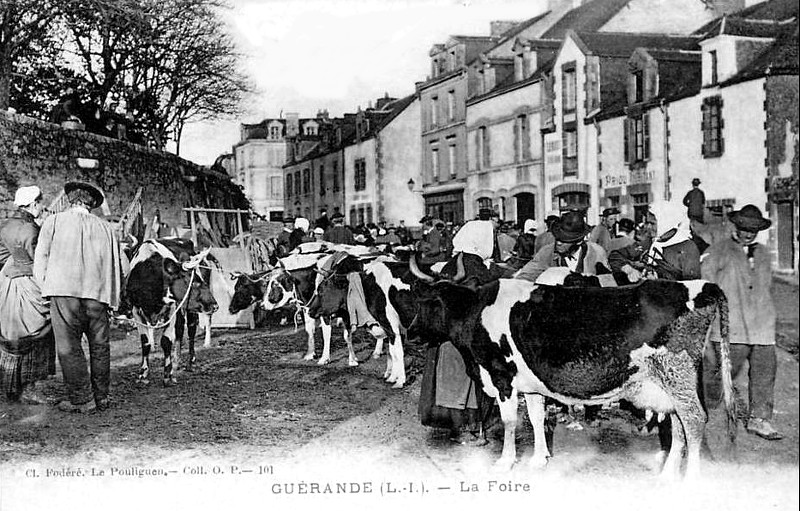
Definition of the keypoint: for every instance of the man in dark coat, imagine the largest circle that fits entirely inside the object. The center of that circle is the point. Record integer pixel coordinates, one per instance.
(284, 241)
(338, 233)
(323, 221)
(695, 202)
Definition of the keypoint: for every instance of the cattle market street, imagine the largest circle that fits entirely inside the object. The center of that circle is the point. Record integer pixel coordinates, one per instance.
(254, 420)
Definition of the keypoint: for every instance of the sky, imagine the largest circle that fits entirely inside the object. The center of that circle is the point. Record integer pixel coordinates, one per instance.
(308, 55)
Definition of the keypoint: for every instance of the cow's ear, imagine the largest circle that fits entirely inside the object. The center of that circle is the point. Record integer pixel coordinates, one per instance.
(171, 268)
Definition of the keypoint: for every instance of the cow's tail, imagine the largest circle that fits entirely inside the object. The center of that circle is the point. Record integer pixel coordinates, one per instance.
(725, 364)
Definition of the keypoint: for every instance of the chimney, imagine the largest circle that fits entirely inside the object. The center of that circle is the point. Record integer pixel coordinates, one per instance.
(722, 7)
(292, 124)
(382, 102)
(500, 27)
(323, 115)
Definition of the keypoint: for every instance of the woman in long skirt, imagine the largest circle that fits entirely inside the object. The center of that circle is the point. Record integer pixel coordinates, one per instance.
(27, 347)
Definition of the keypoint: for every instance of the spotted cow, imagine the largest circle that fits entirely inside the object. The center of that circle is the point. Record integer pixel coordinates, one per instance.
(168, 285)
(643, 343)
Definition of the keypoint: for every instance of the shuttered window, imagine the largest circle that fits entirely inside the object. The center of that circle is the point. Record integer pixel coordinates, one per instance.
(712, 125)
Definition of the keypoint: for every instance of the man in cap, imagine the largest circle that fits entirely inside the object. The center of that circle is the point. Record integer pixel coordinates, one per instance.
(431, 244)
(741, 267)
(79, 266)
(695, 202)
(570, 249)
(337, 233)
(284, 239)
(604, 232)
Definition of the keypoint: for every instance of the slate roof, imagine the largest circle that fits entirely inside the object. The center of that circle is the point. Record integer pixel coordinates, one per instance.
(779, 58)
(619, 44)
(769, 11)
(589, 17)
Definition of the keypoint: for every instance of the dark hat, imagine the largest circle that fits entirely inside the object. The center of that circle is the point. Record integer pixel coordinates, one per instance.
(695, 181)
(336, 216)
(750, 219)
(485, 213)
(626, 225)
(288, 218)
(571, 227)
(610, 211)
(92, 190)
(425, 219)
(551, 218)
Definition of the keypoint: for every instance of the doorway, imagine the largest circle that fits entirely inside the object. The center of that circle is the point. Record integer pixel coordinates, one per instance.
(526, 207)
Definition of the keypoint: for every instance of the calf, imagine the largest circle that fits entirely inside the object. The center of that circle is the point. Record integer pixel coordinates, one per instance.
(643, 343)
(165, 295)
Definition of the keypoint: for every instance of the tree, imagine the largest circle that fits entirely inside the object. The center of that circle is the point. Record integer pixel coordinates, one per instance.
(24, 26)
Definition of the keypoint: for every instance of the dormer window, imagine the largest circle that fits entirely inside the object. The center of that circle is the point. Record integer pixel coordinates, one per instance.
(714, 67)
(274, 132)
(638, 85)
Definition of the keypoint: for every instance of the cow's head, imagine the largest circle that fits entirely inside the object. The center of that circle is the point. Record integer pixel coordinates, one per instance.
(192, 277)
(280, 289)
(248, 290)
(441, 303)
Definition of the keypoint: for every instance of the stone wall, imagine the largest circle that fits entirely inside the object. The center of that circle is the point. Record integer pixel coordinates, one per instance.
(45, 154)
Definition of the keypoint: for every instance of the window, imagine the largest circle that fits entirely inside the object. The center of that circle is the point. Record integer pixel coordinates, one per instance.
(322, 179)
(275, 187)
(435, 164)
(569, 152)
(451, 105)
(353, 217)
(641, 205)
(274, 132)
(297, 184)
(484, 203)
(310, 130)
(368, 216)
(714, 66)
(569, 89)
(307, 181)
(451, 160)
(336, 184)
(713, 144)
(289, 184)
(360, 174)
(434, 111)
(482, 159)
(638, 85)
(522, 141)
(637, 139)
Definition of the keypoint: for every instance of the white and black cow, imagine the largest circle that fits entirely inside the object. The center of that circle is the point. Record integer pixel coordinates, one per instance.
(643, 343)
(168, 285)
(387, 292)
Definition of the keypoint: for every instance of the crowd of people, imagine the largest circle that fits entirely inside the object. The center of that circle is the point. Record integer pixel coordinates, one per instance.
(59, 282)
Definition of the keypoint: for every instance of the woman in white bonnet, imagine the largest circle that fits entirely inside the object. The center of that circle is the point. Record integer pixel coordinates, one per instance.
(27, 346)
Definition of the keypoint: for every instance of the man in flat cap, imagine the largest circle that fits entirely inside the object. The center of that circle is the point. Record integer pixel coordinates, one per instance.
(79, 266)
(741, 267)
(695, 202)
(605, 231)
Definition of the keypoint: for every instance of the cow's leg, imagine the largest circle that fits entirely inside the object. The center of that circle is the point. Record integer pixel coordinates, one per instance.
(672, 466)
(180, 322)
(327, 333)
(537, 416)
(398, 368)
(310, 325)
(144, 369)
(192, 321)
(352, 360)
(693, 418)
(508, 413)
(168, 346)
(378, 351)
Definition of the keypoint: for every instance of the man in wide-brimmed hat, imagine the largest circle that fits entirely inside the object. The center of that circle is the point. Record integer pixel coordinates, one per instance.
(570, 249)
(430, 246)
(741, 267)
(695, 202)
(79, 266)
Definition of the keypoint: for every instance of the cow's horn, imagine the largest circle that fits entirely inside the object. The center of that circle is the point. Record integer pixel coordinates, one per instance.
(460, 272)
(412, 265)
(236, 274)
